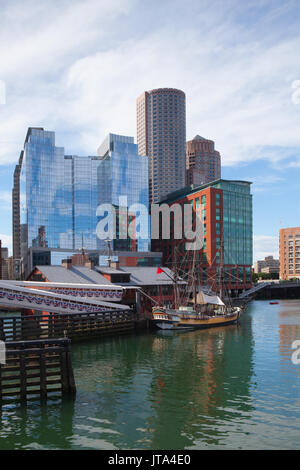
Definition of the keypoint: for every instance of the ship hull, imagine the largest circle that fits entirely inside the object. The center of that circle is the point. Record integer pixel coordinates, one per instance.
(196, 324)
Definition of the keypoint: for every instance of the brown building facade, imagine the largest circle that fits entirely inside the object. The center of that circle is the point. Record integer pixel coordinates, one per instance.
(161, 135)
(203, 162)
(289, 253)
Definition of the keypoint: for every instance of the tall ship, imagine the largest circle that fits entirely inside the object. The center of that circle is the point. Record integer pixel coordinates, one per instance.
(193, 307)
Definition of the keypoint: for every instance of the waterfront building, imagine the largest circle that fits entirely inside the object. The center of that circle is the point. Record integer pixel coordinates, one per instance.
(54, 257)
(123, 178)
(161, 135)
(225, 209)
(3, 262)
(268, 265)
(203, 162)
(60, 195)
(289, 253)
(74, 274)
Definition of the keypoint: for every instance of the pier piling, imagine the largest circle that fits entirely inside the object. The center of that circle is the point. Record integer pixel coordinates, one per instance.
(36, 368)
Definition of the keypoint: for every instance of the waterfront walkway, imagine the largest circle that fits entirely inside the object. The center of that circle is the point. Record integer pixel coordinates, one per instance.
(271, 285)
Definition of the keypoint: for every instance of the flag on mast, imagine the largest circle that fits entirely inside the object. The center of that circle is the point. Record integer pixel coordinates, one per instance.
(159, 271)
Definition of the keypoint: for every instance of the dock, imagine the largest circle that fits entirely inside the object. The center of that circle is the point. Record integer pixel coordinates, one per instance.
(76, 326)
(36, 368)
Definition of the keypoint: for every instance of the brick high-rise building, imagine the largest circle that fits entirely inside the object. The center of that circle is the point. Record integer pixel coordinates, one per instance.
(161, 135)
(289, 253)
(203, 162)
(225, 208)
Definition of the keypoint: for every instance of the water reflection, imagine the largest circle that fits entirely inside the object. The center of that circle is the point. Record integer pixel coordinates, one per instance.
(37, 425)
(162, 391)
(229, 387)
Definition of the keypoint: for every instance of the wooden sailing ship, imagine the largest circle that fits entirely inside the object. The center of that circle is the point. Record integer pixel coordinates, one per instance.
(196, 309)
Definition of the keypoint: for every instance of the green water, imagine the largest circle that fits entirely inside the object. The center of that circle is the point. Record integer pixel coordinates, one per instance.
(233, 387)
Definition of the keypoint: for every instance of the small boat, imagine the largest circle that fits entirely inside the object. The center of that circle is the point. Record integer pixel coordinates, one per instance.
(274, 303)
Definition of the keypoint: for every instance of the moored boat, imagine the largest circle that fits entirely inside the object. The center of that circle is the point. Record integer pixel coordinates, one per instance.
(186, 317)
(202, 310)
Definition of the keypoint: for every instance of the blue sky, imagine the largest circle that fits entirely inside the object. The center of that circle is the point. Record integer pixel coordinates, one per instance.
(77, 67)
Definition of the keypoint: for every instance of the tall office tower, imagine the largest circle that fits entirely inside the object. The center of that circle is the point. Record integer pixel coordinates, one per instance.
(58, 195)
(289, 253)
(16, 225)
(161, 134)
(55, 198)
(203, 162)
(123, 178)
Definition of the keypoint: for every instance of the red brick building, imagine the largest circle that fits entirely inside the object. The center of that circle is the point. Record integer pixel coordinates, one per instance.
(225, 208)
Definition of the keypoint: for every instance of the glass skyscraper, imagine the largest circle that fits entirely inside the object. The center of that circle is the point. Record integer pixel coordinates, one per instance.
(60, 194)
(123, 176)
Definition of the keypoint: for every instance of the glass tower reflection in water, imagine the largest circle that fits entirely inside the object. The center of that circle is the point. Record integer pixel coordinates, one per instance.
(60, 193)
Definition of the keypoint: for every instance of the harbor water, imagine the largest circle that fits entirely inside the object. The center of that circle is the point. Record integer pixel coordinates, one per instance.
(233, 387)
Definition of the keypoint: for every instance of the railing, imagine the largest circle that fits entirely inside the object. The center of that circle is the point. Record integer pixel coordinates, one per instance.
(71, 325)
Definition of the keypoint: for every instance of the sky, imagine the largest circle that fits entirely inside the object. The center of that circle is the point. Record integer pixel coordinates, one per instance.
(77, 67)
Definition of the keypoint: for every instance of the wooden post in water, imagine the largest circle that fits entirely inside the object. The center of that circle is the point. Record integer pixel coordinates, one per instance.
(39, 367)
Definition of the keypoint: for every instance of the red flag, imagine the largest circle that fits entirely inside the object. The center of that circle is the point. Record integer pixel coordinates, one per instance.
(159, 271)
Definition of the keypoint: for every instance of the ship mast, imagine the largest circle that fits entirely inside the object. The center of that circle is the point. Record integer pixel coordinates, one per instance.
(194, 283)
(221, 269)
(176, 294)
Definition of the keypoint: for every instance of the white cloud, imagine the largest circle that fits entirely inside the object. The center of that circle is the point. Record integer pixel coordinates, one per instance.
(265, 245)
(263, 182)
(296, 93)
(71, 68)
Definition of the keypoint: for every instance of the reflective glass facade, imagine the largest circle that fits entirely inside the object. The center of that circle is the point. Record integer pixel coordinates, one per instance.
(60, 193)
(237, 222)
(123, 173)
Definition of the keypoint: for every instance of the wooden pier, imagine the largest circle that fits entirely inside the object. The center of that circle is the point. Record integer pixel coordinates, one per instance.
(38, 357)
(36, 368)
(76, 326)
